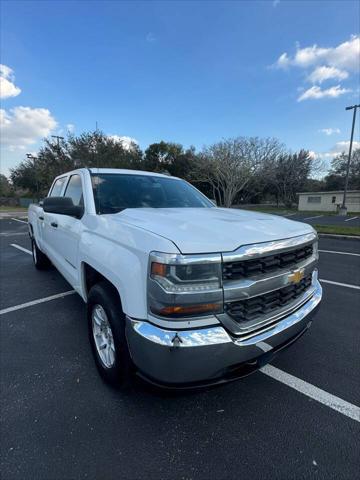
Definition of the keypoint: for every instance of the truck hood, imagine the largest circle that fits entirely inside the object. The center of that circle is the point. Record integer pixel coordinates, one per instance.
(210, 230)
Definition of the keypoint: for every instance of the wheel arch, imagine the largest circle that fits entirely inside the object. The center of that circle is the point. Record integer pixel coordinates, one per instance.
(91, 276)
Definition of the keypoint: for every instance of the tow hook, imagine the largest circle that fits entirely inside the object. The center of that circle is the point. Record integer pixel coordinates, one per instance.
(176, 341)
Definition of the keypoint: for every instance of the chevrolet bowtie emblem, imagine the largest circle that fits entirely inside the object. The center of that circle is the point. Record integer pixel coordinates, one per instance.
(296, 276)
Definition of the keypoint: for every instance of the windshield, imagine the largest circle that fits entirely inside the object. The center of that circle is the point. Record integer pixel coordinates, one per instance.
(115, 192)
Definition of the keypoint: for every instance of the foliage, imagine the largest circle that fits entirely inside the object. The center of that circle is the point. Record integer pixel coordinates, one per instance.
(5, 187)
(228, 166)
(335, 180)
(92, 149)
(235, 170)
(287, 175)
(169, 157)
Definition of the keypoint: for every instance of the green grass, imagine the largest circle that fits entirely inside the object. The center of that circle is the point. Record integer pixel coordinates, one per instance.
(12, 209)
(284, 211)
(338, 229)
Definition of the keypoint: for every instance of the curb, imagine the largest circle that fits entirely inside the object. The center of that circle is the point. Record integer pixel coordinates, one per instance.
(334, 235)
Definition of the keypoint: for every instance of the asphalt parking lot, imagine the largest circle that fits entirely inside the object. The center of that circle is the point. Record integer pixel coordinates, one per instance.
(299, 418)
(323, 219)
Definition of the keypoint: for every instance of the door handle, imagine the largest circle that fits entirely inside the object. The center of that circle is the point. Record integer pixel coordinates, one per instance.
(41, 218)
(54, 224)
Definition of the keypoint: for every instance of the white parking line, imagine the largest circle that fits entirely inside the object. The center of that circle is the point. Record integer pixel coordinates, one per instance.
(21, 248)
(310, 218)
(349, 219)
(340, 253)
(340, 284)
(18, 220)
(290, 214)
(35, 302)
(331, 401)
(13, 234)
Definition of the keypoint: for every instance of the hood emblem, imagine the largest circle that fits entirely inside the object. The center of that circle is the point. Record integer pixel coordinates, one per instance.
(296, 276)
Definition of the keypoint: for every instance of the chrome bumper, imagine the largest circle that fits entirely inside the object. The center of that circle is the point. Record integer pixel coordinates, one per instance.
(206, 355)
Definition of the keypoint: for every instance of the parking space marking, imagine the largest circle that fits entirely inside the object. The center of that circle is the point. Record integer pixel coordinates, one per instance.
(290, 214)
(35, 302)
(349, 219)
(25, 250)
(340, 284)
(310, 218)
(331, 401)
(340, 253)
(18, 220)
(13, 234)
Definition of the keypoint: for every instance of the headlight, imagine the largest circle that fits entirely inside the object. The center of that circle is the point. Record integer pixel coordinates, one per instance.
(184, 285)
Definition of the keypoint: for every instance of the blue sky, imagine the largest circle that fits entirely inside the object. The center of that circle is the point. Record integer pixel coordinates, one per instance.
(189, 72)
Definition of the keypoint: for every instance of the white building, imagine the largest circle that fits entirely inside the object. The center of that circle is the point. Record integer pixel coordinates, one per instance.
(329, 201)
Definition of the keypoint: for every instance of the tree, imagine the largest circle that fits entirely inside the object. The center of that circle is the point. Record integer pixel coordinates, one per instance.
(169, 157)
(288, 173)
(230, 165)
(335, 180)
(5, 186)
(91, 149)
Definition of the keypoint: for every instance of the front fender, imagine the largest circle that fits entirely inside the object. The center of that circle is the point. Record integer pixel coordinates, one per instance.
(124, 264)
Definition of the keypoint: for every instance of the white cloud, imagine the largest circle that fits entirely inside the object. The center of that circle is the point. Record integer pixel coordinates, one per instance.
(329, 131)
(7, 86)
(336, 150)
(344, 56)
(322, 64)
(126, 142)
(316, 92)
(23, 126)
(322, 73)
(70, 127)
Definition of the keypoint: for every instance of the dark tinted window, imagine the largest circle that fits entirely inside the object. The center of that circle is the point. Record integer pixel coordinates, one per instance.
(57, 187)
(74, 190)
(115, 192)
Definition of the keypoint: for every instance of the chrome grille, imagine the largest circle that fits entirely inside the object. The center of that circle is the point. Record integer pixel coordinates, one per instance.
(259, 284)
(257, 307)
(267, 264)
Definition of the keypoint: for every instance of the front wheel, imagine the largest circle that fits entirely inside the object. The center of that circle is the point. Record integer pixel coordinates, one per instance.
(106, 323)
(40, 260)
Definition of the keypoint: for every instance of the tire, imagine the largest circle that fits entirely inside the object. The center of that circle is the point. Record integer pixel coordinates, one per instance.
(106, 324)
(40, 260)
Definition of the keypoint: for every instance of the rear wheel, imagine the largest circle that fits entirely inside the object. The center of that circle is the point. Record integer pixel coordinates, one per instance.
(106, 322)
(40, 260)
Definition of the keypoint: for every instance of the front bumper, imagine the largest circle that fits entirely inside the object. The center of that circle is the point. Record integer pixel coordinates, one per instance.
(186, 358)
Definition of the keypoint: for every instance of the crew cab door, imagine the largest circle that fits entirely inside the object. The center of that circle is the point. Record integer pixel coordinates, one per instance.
(45, 229)
(64, 233)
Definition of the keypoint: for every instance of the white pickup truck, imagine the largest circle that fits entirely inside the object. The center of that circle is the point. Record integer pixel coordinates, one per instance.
(177, 290)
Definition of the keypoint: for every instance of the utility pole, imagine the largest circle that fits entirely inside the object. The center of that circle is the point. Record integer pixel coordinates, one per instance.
(343, 209)
(32, 157)
(58, 138)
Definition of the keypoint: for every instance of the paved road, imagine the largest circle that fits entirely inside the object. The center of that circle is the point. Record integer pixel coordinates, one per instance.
(59, 421)
(323, 219)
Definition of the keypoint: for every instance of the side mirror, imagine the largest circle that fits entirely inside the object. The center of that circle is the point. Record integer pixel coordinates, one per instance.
(62, 206)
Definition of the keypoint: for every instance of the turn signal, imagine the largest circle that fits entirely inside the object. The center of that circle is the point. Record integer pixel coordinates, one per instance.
(158, 269)
(180, 310)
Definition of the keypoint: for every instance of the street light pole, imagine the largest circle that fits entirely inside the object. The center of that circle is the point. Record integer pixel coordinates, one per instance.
(343, 209)
(30, 156)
